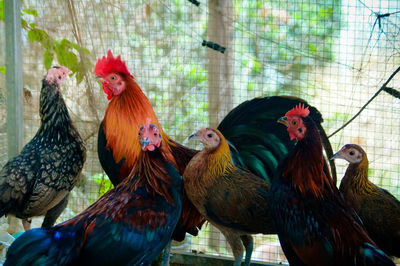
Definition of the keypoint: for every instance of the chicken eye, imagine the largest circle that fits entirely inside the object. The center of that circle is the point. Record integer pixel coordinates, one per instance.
(209, 135)
(59, 77)
(155, 134)
(113, 77)
(294, 122)
(351, 153)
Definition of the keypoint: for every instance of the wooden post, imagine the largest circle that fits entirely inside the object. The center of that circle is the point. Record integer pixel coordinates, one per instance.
(220, 65)
(12, 19)
(220, 75)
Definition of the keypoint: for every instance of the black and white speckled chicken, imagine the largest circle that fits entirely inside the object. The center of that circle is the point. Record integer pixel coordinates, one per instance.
(38, 181)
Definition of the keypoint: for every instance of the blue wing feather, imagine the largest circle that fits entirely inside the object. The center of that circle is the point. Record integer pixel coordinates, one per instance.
(116, 230)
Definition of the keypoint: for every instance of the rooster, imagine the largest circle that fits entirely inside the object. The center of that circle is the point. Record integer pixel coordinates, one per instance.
(232, 199)
(256, 143)
(129, 225)
(314, 223)
(127, 110)
(377, 208)
(38, 181)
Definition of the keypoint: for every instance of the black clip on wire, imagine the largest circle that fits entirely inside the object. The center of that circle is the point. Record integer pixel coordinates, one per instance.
(214, 46)
(194, 2)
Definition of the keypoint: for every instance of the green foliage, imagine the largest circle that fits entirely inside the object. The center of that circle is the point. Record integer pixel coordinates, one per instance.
(332, 121)
(103, 181)
(48, 57)
(3, 69)
(67, 53)
(283, 42)
(30, 12)
(1, 10)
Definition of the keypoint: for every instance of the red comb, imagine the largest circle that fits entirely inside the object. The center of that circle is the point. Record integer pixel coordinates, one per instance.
(299, 110)
(109, 64)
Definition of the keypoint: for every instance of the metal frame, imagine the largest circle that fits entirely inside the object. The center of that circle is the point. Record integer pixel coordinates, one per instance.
(14, 82)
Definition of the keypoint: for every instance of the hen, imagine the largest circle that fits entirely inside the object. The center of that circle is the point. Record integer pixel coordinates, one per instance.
(377, 208)
(129, 225)
(315, 225)
(232, 199)
(38, 180)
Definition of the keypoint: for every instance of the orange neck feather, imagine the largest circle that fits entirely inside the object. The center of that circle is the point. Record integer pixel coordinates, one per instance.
(124, 115)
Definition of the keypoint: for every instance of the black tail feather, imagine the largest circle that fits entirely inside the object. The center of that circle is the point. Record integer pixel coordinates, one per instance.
(260, 142)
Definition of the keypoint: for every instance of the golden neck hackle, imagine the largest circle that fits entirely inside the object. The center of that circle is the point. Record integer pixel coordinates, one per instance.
(220, 159)
(358, 173)
(205, 167)
(124, 115)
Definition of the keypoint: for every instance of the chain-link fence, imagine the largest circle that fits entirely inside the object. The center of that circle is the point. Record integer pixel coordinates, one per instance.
(335, 54)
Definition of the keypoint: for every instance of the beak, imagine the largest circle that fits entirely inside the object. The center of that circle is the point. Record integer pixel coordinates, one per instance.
(336, 156)
(283, 121)
(145, 142)
(99, 79)
(194, 136)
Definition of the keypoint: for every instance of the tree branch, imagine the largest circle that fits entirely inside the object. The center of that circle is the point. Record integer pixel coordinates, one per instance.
(368, 102)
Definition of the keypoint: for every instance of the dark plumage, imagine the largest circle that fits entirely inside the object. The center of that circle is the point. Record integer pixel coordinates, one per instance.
(129, 225)
(38, 180)
(377, 208)
(232, 199)
(256, 142)
(315, 224)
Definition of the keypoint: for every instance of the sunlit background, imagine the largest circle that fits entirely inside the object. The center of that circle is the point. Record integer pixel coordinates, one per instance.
(335, 54)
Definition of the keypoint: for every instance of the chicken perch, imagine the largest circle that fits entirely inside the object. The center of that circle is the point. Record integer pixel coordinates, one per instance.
(129, 225)
(315, 224)
(38, 181)
(232, 199)
(377, 208)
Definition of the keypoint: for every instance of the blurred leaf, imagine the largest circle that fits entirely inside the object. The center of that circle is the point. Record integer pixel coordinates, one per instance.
(30, 12)
(250, 86)
(48, 58)
(67, 59)
(65, 50)
(325, 13)
(256, 66)
(65, 43)
(37, 35)
(103, 182)
(79, 77)
(312, 48)
(24, 24)
(31, 36)
(3, 69)
(1, 10)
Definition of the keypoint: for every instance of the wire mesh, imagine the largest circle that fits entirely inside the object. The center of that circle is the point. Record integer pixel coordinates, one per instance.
(334, 54)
